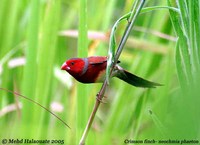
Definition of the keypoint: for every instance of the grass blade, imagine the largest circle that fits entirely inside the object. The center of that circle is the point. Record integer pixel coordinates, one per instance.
(31, 57)
(82, 101)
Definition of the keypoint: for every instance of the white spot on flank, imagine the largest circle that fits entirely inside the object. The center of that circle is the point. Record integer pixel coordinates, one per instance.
(101, 76)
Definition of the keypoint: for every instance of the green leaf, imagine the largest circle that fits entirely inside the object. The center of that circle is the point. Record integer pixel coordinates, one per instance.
(81, 97)
(149, 9)
(184, 47)
(112, 46)
(112, 41)
(158, 123)
(179, 66)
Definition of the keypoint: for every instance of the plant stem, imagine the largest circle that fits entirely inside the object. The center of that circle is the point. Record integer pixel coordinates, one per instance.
(135, 12)
(96, 106)
(137, 6)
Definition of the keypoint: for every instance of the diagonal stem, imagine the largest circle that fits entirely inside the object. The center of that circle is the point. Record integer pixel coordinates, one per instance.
(137, 6)
(96, 106)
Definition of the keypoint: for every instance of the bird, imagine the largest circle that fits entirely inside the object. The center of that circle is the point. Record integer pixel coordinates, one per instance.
(93, 70)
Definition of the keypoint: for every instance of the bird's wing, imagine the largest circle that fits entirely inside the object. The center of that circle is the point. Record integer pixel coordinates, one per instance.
(95, 60)
(96, 63)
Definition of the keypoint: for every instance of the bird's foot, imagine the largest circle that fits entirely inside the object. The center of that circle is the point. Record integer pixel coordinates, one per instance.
(100, 99)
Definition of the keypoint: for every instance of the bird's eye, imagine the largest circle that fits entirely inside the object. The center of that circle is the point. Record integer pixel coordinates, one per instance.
(72, 63)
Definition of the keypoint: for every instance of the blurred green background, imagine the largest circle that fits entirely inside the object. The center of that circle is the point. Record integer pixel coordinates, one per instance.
(37, 36)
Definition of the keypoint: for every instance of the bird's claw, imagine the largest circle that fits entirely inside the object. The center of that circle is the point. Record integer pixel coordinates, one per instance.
(100, 99)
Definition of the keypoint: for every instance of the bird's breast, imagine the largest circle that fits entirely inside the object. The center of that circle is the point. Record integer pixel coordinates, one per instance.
(94, 74)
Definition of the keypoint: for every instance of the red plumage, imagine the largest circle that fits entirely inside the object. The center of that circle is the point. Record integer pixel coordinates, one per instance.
(86, 70)
(92, 70)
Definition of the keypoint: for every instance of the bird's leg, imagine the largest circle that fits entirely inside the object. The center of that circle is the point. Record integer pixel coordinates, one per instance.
(100, 99)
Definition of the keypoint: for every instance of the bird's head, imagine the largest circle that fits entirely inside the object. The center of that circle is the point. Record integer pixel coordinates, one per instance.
(74, 66)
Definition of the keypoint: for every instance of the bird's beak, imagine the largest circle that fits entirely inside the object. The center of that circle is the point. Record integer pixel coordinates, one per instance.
(65, 66)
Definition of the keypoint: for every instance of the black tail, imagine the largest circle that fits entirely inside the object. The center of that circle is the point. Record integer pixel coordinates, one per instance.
(135, 80)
